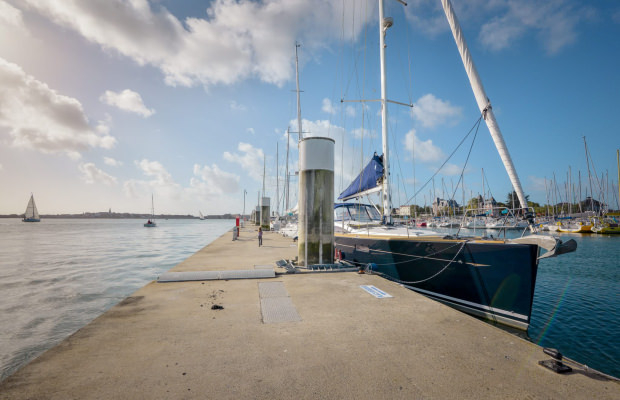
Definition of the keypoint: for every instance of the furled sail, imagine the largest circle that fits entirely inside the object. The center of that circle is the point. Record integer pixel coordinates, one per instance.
(483, 101)
(368, 181)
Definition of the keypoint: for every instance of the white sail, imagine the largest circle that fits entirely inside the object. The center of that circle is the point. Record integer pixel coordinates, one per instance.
(31, 209)
(483, 101)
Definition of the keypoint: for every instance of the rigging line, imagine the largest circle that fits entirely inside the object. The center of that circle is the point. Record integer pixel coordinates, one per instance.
(589, 156)
(369, 268)
(402, 180)
(461, 177)
(363, 108)
(476, 126)
(484, 175)
(415, 258)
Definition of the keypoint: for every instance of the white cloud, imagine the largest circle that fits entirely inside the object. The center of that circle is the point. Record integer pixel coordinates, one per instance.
(207, 184)
(39, 118)
(251, 160)
(112, 162)
(424, 151)
(10, 15)
(251, 130)
(350, 110)
(503, 22)
(427, 16)
(359, 133)
(536, 184)
(236, 106)
(451, 169)
(161, 181)
(328, 107)
(127, 100)
(555, 22)
(431, 111)
(214, 180)
(236, 40)
(155, 170)
(92, 174)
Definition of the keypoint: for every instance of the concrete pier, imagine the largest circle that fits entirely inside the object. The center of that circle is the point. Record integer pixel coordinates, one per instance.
(166, 342)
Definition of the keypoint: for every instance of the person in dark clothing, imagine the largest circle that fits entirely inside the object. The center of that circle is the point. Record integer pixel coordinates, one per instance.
(260, 236)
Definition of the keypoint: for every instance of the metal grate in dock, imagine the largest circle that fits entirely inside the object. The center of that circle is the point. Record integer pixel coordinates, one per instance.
(275, 304)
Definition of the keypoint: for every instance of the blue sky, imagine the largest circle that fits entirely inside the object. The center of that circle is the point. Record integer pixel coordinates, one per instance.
(103, 103)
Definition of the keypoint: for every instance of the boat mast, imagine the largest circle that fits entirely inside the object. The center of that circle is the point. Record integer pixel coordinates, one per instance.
(286, 180)
(384, 24)
(277, 179)
(299, 133)
(264, 166)
(483, 101)
(589, 174)
(618, 161)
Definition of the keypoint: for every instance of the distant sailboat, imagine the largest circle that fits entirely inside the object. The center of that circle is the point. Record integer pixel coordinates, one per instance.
(151, 222)
(201, 217)
(31, 214)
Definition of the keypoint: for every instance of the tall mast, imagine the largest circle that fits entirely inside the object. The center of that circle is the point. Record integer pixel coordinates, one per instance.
(589, 175)
(299, 133)
(264, 164)
(618, 161)
(277, 179)
(286, 179)
(483, 101)
(384, 24)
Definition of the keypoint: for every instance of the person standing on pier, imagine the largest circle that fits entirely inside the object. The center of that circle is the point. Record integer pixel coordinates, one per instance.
(260, 236)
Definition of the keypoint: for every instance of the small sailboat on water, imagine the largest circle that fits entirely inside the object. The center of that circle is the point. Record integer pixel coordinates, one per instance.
(200, 216)
(31, 214)
(151, 222)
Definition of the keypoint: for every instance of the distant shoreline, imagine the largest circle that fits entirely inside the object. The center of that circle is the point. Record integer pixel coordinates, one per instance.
(108, 215)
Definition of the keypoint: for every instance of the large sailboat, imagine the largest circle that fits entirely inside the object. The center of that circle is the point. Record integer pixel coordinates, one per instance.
(31, 214)
(487, 277)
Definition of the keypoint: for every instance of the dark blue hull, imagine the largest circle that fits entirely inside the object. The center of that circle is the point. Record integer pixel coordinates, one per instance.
(491, 279)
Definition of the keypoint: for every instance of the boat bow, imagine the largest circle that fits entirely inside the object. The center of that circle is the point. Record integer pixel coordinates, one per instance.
(553, 246)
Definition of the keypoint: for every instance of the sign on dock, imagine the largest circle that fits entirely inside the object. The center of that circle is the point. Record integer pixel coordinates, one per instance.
(378, 293)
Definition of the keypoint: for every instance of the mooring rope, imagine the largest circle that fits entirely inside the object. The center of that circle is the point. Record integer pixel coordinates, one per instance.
(422, 280)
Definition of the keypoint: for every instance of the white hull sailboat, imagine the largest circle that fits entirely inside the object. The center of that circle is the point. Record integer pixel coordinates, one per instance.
(31, 214)
(151, 222)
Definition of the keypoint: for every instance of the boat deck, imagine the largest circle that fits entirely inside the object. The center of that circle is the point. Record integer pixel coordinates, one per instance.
(309, 335)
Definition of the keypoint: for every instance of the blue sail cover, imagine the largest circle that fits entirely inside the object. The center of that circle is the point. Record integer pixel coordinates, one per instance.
(367, 179)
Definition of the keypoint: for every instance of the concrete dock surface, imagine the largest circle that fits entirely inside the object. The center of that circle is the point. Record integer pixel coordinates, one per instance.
(166, 342)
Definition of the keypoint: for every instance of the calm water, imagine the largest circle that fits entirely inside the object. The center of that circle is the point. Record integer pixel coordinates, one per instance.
(577, 303)
(58, 275)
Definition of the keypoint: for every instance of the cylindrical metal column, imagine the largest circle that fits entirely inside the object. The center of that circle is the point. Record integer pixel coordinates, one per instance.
(264, 213)
(316, 201)
(257, 216)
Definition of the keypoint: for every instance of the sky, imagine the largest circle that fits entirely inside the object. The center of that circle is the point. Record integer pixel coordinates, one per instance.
(104, 103)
